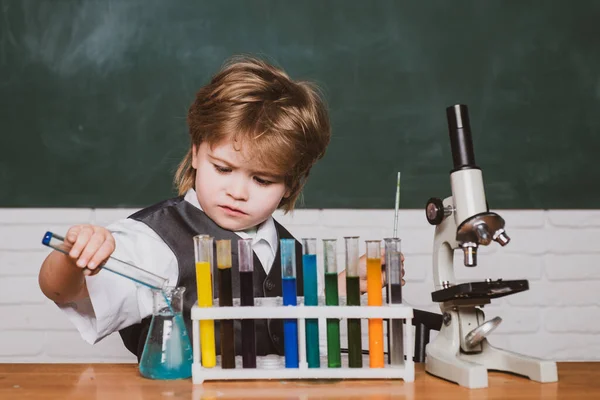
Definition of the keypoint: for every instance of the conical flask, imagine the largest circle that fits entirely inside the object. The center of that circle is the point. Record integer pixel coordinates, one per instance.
(167, 353)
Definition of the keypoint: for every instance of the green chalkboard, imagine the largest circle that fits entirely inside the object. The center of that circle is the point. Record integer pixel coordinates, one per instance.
(94, 94)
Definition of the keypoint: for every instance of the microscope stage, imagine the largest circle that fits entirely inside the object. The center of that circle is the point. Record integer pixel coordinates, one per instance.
(480, 290)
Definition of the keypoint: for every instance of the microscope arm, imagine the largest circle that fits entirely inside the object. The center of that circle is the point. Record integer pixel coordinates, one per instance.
(443, 251)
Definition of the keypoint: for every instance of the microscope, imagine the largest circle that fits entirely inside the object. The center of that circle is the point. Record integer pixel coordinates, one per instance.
(461, 352)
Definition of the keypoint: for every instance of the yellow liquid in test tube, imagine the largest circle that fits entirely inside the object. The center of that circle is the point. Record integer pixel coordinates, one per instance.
(375, 298)
(207, 327)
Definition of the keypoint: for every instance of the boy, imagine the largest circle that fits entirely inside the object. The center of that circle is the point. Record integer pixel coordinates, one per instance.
(255, 134)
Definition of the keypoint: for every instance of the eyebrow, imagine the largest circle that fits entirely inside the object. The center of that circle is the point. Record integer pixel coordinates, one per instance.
(257, 172)
(222, 160)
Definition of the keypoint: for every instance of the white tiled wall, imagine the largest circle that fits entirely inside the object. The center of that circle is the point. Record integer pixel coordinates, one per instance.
(557, 251)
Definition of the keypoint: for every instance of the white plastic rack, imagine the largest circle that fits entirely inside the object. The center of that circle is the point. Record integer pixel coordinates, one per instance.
(273, 366)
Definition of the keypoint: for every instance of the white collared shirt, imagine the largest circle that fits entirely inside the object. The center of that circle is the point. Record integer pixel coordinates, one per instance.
(115, 303)
(264, 239)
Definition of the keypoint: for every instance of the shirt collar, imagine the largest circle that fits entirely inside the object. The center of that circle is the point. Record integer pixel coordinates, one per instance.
(266, 231)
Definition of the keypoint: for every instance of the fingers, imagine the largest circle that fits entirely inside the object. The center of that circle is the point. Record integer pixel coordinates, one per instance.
(342, 283)
(363, 286)
(362, 267)
(383, 258)
(103, 252)
(92, 245)
(91, 272)
(403, 270)
(72, 233)
(82, 237)
(95, 241)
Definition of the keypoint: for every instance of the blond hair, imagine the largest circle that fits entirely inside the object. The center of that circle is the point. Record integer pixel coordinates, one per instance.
(280, 122)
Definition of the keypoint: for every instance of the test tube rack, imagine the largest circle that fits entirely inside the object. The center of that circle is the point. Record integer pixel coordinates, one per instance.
(273, 366)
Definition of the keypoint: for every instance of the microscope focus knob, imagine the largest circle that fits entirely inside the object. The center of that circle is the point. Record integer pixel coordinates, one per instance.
(434, 211)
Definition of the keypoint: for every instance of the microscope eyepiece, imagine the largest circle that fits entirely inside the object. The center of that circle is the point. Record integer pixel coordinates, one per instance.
(461, 143)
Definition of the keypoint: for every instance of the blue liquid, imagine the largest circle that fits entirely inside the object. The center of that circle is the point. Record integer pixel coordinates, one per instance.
(288, 288)
(170, 358)
(290, 326)
(309, 268)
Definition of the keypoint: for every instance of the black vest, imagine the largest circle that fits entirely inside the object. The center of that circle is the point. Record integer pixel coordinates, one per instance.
(176, 222)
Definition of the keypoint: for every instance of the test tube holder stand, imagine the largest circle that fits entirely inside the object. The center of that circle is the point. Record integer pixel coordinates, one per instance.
(272, 366)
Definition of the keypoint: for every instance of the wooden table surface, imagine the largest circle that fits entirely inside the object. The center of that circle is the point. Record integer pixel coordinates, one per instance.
(122, 381)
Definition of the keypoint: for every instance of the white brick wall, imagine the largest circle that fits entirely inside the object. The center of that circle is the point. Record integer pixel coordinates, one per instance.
(557, 251)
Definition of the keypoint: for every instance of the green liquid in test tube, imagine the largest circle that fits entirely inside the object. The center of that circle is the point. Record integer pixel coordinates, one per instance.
(334, 359)
(353, 299)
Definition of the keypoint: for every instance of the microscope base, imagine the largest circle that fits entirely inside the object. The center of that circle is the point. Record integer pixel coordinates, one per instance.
(445, 359)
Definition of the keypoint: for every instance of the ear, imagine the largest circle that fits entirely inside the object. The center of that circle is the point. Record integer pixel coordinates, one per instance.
(287, 193)
(195, 156)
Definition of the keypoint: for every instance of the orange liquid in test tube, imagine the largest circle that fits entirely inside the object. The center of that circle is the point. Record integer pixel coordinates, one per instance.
(375, 298)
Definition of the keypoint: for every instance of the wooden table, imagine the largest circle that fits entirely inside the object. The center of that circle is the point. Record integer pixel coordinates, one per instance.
(122, 381)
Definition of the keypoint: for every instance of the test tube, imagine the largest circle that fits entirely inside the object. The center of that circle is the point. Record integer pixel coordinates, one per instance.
(225, 300)
(203, 250)
(288, 283)
(246, 265)
(334, 359)
(375, 298)
(309, 270)
(353, 299)
(112, 264)
(393, 266)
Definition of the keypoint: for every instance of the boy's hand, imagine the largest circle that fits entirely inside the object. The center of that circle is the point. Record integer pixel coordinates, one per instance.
(362, 265)
(91, 246)
(363, 274)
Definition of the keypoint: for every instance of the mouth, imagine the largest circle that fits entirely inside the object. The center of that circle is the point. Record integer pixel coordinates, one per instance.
(232, 211)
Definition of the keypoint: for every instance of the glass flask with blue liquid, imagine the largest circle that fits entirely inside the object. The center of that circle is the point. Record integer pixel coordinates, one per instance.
(167, 352)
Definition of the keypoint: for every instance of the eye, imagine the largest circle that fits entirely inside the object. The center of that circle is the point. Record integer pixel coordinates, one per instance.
(222, 170)
(262, 182)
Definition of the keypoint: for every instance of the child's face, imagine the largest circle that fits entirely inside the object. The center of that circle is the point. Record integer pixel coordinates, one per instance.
(237, 193)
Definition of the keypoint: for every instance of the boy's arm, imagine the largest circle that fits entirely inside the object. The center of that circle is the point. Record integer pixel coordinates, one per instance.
(109, 302)
(62, 277)
(61, 280)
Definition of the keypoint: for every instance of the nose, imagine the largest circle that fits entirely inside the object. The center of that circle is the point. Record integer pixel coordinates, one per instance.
(238, 188)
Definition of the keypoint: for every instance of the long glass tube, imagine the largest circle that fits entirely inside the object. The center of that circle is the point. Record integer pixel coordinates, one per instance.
(353, 299)
(334, 359)
(114, 265)
(309, 270)
(288, 279)
(246, 265)
(203, 249)
(225, 300)
(375, 298)
(393, 266)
